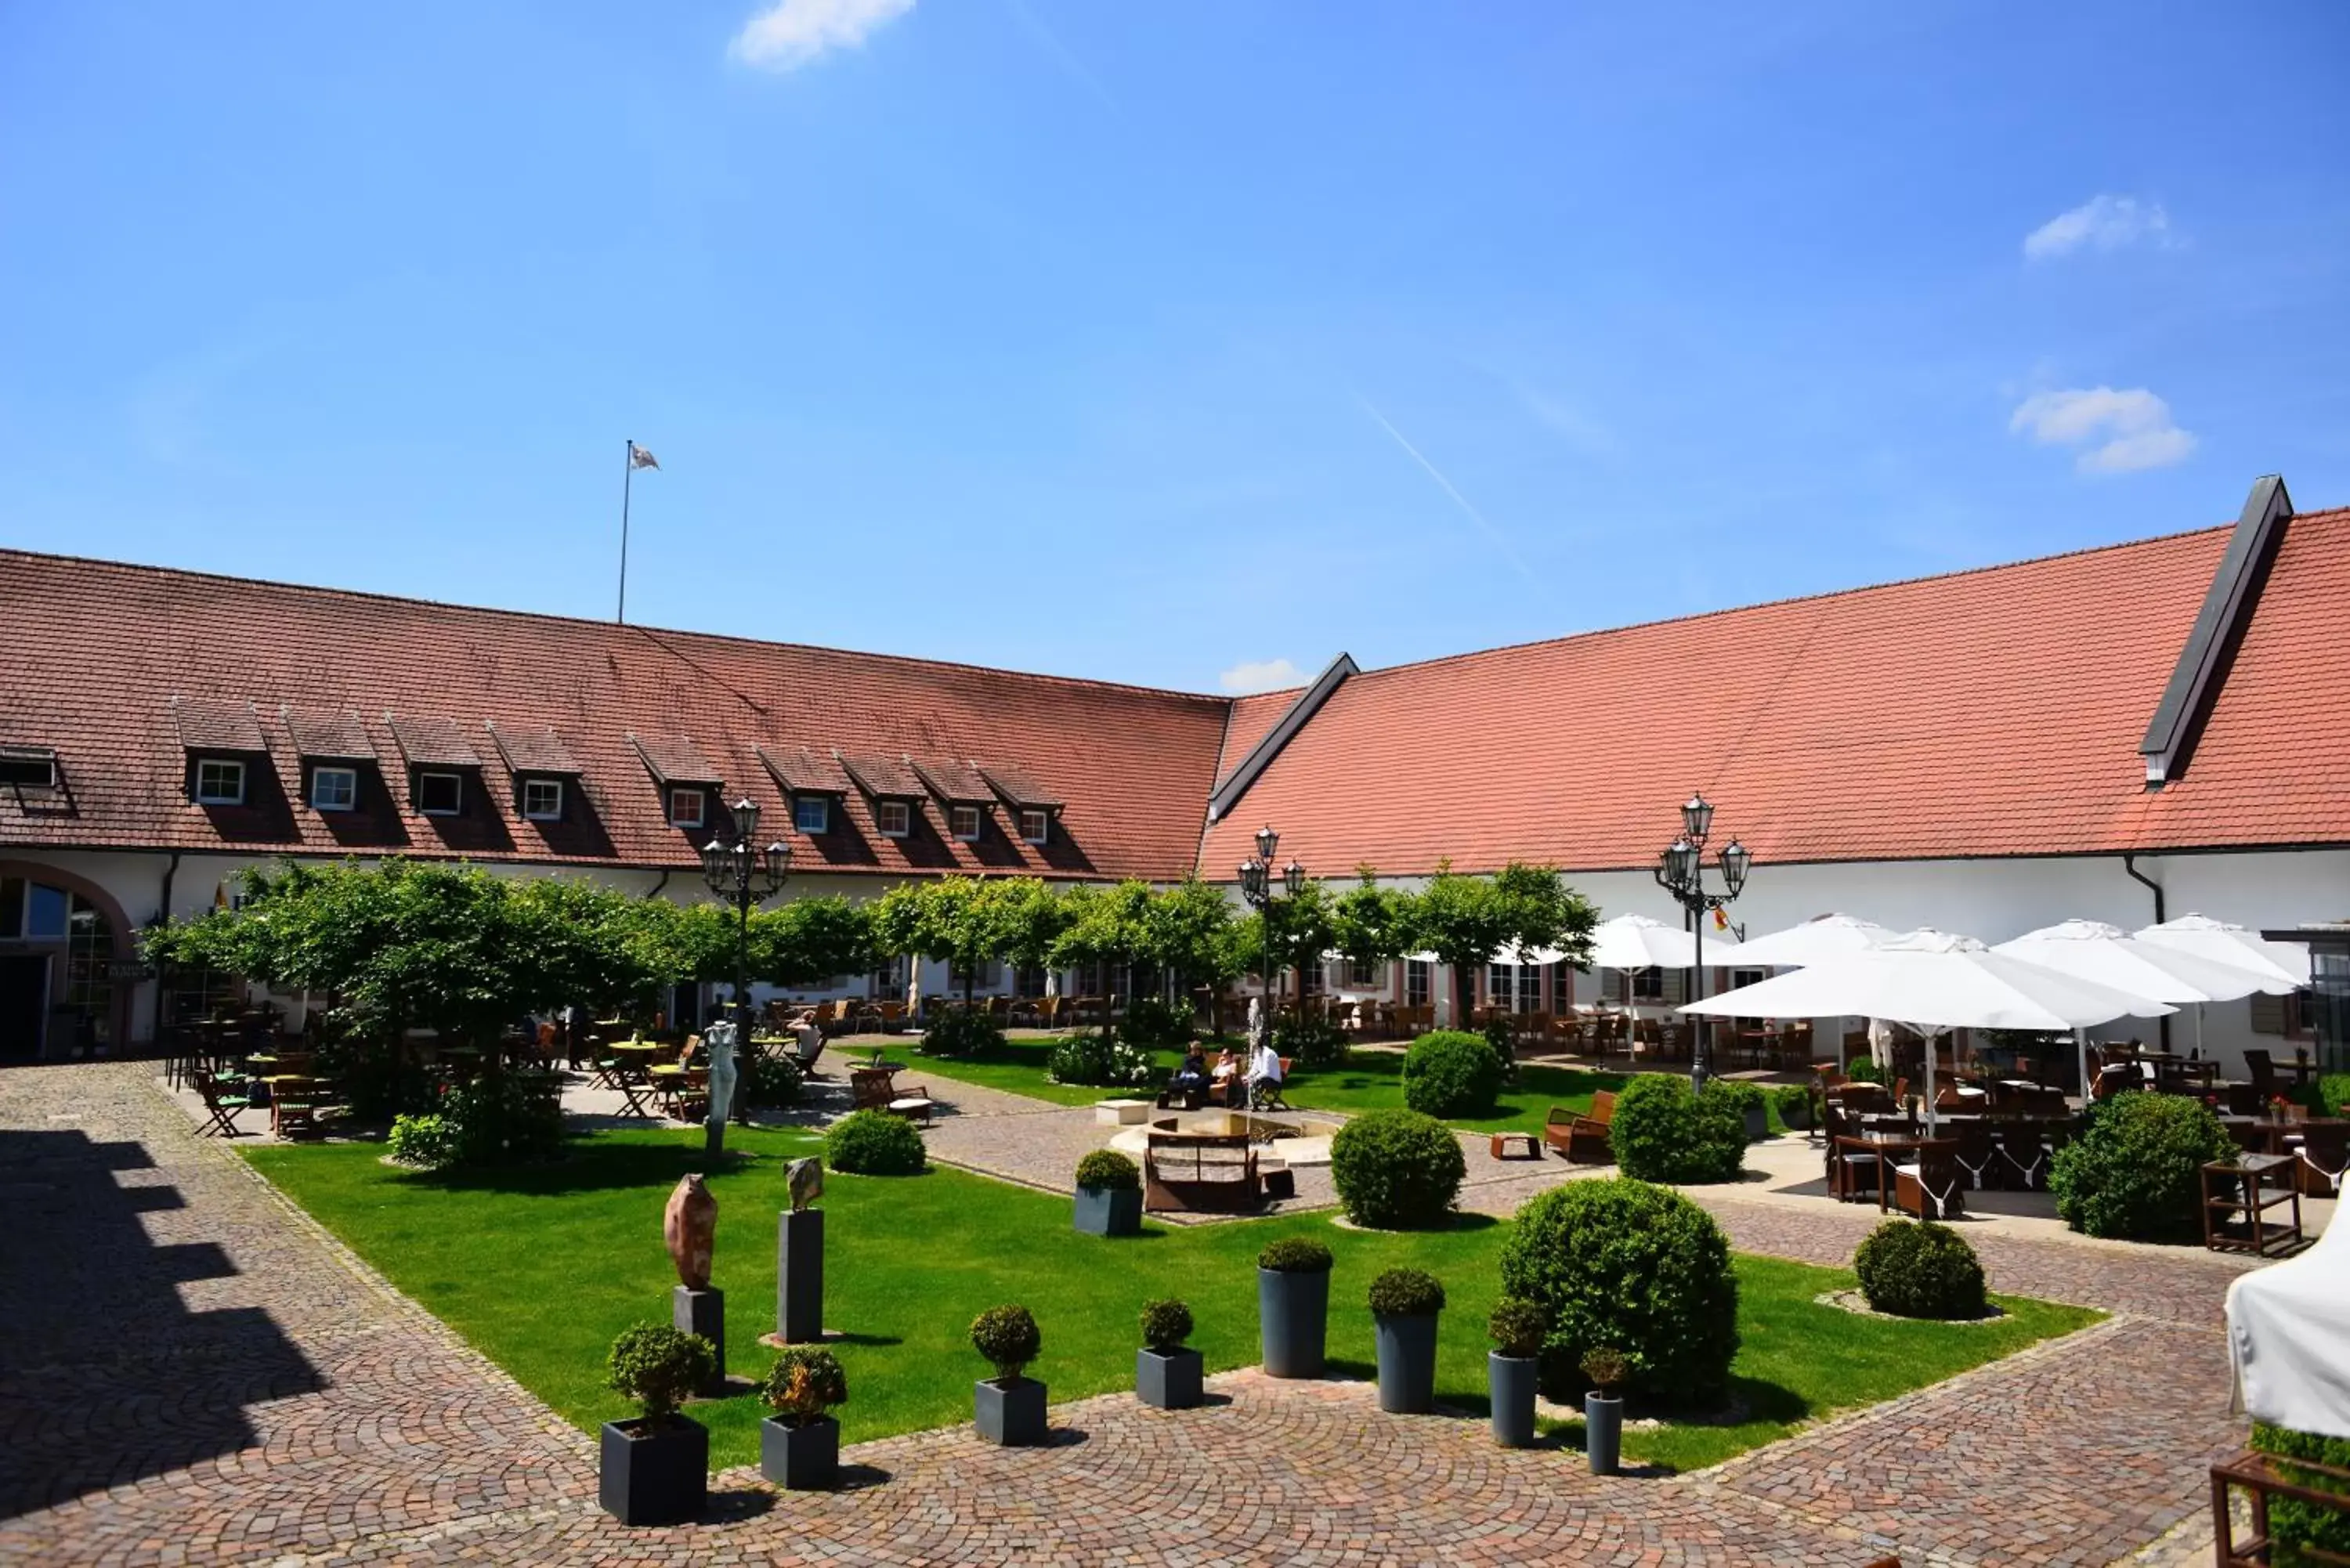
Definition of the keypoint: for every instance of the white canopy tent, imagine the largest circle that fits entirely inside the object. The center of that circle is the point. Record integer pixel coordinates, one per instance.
(2289, 1338)
(1821, 936)
(2090, 950)
(2283, 965)
(1933, 982)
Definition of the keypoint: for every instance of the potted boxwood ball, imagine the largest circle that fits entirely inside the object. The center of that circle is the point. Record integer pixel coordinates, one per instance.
(656, 1469)
(1404, 1304)
(1795, 1106)
(1292, 1302)
(1513, 1369)
(1109, 1194)
(1165, 1373)
(1009, 1407)
(799, 1445)
(1603, 1409)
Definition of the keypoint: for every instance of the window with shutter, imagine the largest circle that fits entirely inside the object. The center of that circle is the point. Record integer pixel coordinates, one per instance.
(2267, 1014)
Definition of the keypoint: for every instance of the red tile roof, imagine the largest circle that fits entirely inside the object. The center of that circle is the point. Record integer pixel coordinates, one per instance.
(95, 649)
(529, 751)
(329, 737)
(432, 742)
(676, 760)
(951, 781)
(1988, 712)
(802, 771)
(884, 778)
(1017, 789)
(206, 725)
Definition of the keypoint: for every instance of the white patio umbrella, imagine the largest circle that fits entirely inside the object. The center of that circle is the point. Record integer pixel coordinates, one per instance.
(2093, 949)
(1636, 941)
(1934, 982)
(2283, 966)
(1821, 936)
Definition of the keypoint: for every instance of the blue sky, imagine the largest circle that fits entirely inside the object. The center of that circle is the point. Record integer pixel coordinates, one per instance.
(1150, 341)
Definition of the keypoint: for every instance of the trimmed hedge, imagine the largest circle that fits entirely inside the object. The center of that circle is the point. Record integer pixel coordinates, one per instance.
(1920, 1270)
(1151, 1022)
(1406, 1292)
(874, 1143)
(1309, 1043)
(1663, 1132)
(961, 1031)
(2134, 1172)
(1622, 1265)
(1092, 1057)
(1396, 1170)
(2292, 1523)
(1451, 1073)
(1107, 1167)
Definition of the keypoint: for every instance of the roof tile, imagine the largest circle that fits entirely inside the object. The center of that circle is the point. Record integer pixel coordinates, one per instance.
(208, 725)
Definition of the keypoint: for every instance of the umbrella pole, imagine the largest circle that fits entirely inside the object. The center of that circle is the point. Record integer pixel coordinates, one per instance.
(2081, 1043)
(1930, 1038)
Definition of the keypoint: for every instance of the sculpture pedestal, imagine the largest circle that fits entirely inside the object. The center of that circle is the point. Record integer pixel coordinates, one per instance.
(799, 1276)
(704, 1313)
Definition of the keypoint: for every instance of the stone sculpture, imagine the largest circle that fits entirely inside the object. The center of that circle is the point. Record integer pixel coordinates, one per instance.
(719, 1041)
(690, 1226)
(806, 1177)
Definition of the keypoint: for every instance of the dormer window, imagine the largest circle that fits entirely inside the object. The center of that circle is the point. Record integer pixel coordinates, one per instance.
(686, 806)
(963, 822)
(440, 793)
(542, 799)
(220, 781)
(334, 789)
(1035, 826)
(812, 813)
(893, 818)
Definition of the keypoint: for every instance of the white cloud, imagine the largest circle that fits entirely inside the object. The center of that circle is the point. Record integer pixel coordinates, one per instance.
(1260, 675)
(2119, 430)
(2106, 222)
(788, 34)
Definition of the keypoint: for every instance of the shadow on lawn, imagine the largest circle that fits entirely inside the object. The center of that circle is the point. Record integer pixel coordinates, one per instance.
(593, 1163)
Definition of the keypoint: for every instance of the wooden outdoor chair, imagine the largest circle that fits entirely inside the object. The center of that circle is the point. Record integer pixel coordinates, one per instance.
(221, 1102)
(1977, 1153)
(1584, 1138)
(1930, 1178)
(2024, 1155)
(2324, 1149)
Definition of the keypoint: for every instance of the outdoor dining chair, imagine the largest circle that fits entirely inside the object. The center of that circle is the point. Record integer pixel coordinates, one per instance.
(1929, 1177)
(2324, 1152)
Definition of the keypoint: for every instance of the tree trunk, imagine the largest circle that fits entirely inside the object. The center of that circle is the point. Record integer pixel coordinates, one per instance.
(1464, 995)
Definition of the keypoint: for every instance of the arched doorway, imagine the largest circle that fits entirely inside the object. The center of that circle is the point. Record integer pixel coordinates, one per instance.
(63, 955)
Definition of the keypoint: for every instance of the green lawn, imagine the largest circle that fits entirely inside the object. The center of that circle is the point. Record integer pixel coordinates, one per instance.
(1371, 1080)
(541, 1268)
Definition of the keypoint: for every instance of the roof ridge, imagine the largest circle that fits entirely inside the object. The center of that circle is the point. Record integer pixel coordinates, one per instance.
(145, 568)
(1823, 597)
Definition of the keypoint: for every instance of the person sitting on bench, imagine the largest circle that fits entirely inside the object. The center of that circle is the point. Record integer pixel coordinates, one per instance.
(1192, 1077)
(1224, 1076)
(1263, 1074)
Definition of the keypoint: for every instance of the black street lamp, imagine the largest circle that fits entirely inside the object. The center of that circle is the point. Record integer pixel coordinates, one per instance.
(1681, 871)
(746, 876)
(1257, 888)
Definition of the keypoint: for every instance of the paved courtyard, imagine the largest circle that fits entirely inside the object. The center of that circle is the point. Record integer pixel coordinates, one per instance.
(194, 1372)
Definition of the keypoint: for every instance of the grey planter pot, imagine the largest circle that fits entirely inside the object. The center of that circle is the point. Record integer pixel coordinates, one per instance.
(1407, 1352)
(1758, 1124)
(1109, 1211)
(805, 1457)
(1513, 1380)
(659, 1476)
(1171, 1382)
(1797, 1115)
(1603, 1433)
(1010, 1412)
(1293, 1321)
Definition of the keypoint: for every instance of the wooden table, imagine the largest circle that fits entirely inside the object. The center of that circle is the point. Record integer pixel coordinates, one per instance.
(1884, 1146)
(2249, 1187)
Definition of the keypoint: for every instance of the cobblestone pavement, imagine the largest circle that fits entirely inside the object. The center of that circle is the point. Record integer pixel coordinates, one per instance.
(194, 1372)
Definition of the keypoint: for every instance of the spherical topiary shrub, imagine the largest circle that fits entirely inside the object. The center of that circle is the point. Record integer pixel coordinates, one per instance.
(1406, 1292)
(2134, 1172)
(1920, 1270)
(804, 1382)
(1295, 1255)
(1396, 1170)
(1517, 1327)
(1166, 1324)
(1662, 1132)
(873, 1143)
(656, 1365)
(1007, 1337)
(961, 1031)
(1621, 1265)
(1450, 1073)
(1109, 1169)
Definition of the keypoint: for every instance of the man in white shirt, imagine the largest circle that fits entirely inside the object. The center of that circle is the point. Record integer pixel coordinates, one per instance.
(1264, 1070)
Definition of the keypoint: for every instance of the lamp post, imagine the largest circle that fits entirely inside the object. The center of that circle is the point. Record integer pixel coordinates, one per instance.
(1681, 871)
(1258, 889)
(745, 875)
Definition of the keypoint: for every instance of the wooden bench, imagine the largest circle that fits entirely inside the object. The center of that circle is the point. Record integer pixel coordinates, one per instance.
(1201, 1173)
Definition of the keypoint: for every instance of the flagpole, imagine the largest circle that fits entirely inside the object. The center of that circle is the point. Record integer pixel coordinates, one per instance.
(627, 475)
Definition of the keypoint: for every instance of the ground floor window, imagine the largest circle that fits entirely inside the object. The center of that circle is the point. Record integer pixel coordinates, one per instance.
(1415, 976)
(1647, 984)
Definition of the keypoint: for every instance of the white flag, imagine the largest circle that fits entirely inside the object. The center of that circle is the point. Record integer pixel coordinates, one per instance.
(639, 458)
